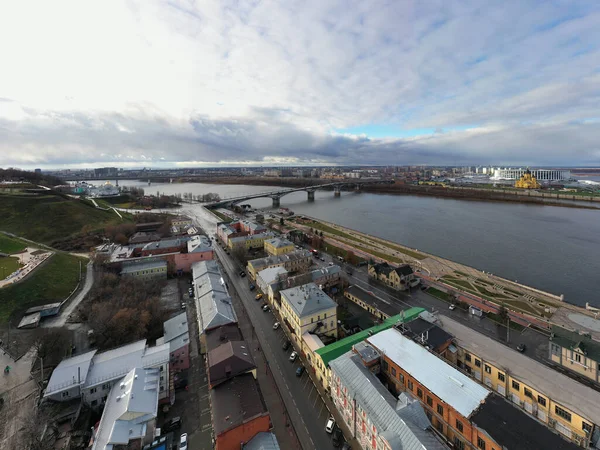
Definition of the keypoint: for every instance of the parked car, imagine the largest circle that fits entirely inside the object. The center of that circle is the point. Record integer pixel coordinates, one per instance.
(293, 356)
(299, 371)
(266, 308)
(183, 306)
(286, 345)
(258, 296)
(330, 425)
(181, 384)
(171, 425)
(183, 442)
(191, 294)
(423, 287)
(321, 258)
(338, 437)
(276, 325)
(242, 274)
(330, 263)
(452, 307)
(252, 287)
(521, 348)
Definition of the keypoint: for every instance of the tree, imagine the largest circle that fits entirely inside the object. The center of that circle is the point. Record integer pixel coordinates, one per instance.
(503, 314)
(281, 221)
(317, 242)
(351, 258)
(321, 234)
(52, 344)
(240, 253)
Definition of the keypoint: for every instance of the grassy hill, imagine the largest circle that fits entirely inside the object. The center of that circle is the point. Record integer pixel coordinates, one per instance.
(51, 218)
(11, 245)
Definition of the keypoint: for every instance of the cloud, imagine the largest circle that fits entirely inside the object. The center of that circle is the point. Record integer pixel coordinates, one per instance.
(170, 83)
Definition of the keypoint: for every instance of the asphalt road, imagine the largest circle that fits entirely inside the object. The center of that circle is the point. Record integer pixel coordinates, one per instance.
(305, 407)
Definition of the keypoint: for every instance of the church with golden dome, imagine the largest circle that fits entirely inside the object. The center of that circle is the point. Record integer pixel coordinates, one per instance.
(527, 181)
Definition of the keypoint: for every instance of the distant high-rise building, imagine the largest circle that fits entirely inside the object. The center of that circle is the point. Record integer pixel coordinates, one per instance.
(38, 170)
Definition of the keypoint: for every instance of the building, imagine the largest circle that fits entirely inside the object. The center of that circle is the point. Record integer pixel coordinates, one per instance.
(164, 246)
(227, 231)
(428, 334)
(539, 174)
(371, 303)
(297, 261)
(460, 409)
(308, 309)
(551, 397)
(328, 353)
(325, 277)
(400, 278)
(90, 376)
(269, 281)
(229, 360)
(142, 237)
(249, 241)
(181, 222)
(262, 441)
(176, 334)
(198, 249)
(213, 302)
(154, 268)
(239, 412)
(576, 352)
(527, 181)
(129, 415)
(278, 246)
(372, 414)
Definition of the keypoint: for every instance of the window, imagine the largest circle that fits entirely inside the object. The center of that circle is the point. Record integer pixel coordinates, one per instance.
(401, 378)
(501, 376)
(410, 385)
(586, 427)
(562, 413)
(577, 357)
(458, 444)
(440, 426)
(459, 426)
(104, 399)
(440, 410)
(385, 365)
(555, 349)
(487, 368)
(93, 390)
(65, 394)
(429, 401)
(480, 443)
(541, 400)
(477, 363)
(419, 393)
(105, 386)
(467, 357)
(393, 371)
(527, 392)
(516, 386)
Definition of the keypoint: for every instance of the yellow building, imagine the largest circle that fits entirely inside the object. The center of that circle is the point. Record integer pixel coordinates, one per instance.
(527, 181)
(307, 309)
(575, 352)
(570, 408)
(297, 261)
(248, 242)
(400, 278)
(277, 246)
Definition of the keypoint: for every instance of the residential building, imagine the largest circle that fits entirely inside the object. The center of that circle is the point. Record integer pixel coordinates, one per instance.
(154, 268)
(129, 415)
(554, 399)
(424, 331)
(328, 353)
(372, 414)
(227, 231)
(229, 360)
(249, 241)
(297, 261)
(308, 309)
(90, 376)
(198, 249)
(213, 302)
(400, 278)
(269, 282)
(142, 237)
(325, 277)
(371, 303)
(239, 412)
(456, 405)
(577, 352)
(176, 334)
(164, 246)
(181, 222)
(278, 246)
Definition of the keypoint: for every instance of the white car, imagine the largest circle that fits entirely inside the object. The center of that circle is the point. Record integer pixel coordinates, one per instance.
(183, 442)
(330, 425)
(276, 325)
(293, 356)
(452, 307)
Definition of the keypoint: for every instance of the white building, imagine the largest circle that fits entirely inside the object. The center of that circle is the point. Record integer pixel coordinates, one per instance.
(540, 174)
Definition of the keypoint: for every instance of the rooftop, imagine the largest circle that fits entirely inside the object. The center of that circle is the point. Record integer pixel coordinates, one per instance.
(514, 429)
(262, 441)
(313, 341)
(250, 237)
(426, 333)
(235, 402)
(574, 340)
(572, 395)
(443, 380)
(307, 300)
(337, 349)
(198, 244)
(65, 374)
(212, 299)
(280, 259)
(165, 243)
(279, 243)
(176, 332)
(143, 265)
(271, 274)
(228, 360)
(221, 335)
(372, 300)
(42, 308)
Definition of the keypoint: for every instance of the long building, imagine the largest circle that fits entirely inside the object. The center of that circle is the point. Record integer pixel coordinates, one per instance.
(539, 174)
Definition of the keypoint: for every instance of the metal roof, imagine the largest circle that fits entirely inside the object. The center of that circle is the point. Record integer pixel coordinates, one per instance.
(307, 300)
(199, 244)
(571, 394)
(572, 340)
(176, 332)
(271, 274)
(279, 243)
(165, 243)
(378, 402)
(212, 300)
(143, 265)
(372, 300)
(443, 380)
(65, 375)
(262, 441)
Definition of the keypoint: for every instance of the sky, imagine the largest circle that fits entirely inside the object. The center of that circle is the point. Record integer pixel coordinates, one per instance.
(182, 83)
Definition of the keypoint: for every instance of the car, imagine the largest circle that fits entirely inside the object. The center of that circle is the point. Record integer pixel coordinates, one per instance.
(266, 308)
(293, 356)
(183, 306)
(338, 437)
(258, 296)
(181, 384)
(252, 287)
(276, 325)
(346, 446)
(521, 348)
(330, 425)
(452, 307)
(423, 287)
(191, 294)
(299, 371)
(330, 263)
(183, 442)
(171, 425)
(286, 345)
(321, 258)
(242, 274)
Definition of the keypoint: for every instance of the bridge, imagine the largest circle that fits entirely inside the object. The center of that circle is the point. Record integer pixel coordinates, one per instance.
(310, 190)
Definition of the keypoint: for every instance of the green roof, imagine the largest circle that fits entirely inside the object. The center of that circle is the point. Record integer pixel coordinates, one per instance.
(337, 349)
(572, 340)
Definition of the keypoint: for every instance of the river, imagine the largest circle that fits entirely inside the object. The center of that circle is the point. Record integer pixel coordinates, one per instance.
(551, 248)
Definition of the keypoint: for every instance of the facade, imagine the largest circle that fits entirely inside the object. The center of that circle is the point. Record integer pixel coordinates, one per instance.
(297, 261)
(155, 268)
(576, 352)
(539, 174)
(90, 376)
(307, 309)
(400, 278)
(176, 334)
(278, 246)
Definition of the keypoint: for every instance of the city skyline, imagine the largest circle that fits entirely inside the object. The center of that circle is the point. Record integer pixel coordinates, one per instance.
(165, 85)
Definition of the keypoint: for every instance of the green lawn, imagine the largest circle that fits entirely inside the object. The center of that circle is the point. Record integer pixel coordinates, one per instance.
(221, 216)
(48, 284)
(8, 265)
(440, 294)
(10, 245)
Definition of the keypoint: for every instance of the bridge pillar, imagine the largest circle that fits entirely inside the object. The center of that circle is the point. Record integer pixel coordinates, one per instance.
(357, 187)
(276, 202)
(337, 191)
(311, 195)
